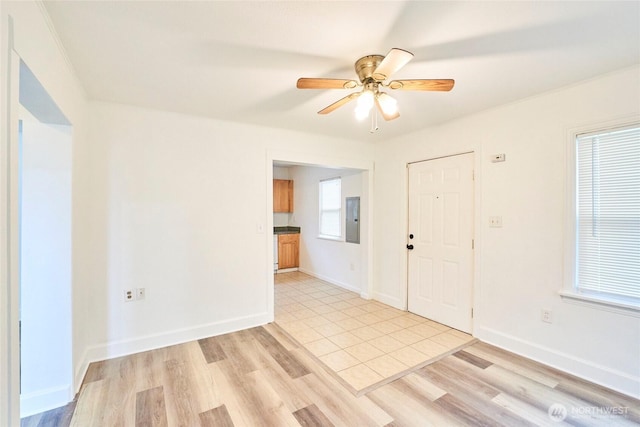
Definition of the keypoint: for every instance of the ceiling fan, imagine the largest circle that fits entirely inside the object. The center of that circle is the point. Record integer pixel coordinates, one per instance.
(373, 72)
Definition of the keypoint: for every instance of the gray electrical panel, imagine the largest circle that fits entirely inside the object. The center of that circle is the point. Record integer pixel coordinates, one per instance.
(353, 220)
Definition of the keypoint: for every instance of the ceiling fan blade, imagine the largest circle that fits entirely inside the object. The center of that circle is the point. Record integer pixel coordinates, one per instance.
(395, 59)
(387, 113)
(339, 103)
(313, 83)
(442, 85)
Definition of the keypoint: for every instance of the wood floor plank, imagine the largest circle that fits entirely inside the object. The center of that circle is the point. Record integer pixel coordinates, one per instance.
(334, 407)
(410, 410)
(311, 416)
(285, 358)
(231, 400)
(529, 412)
(98, 406)
(282, 338)
(535, 394)
(473, 359)
(216, 417)
(89, 404)
(452, 381)
(260, 404)
(96, 371)
(212, 350)
(465, 413)
(182, 406)
(516, 363)
(292, 395)
(602, 398)
(232, 347)
(417, 387)
(150, 408)
(474, 393)
(204, 388)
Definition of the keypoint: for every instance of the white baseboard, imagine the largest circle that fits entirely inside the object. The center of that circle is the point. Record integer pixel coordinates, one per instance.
(389, 300)
(45, 400)
(150, 342)
(332, 281)
(599, 374)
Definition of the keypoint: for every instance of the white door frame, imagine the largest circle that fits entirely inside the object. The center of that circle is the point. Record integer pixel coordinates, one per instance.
(9, 233)
(477, 207)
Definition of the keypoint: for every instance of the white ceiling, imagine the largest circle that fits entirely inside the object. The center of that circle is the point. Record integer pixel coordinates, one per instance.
(239, 60)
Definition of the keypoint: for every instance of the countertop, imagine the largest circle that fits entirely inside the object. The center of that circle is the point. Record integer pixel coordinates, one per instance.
(286, 230)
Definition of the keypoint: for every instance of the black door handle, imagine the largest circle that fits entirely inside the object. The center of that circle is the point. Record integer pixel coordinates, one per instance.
(410, 247)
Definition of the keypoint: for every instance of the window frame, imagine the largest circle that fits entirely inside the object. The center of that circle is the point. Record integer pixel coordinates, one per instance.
(569, 292)
(322, 235)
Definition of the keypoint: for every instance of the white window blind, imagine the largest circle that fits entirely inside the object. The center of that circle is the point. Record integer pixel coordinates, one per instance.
(608, 214)
(330, 207)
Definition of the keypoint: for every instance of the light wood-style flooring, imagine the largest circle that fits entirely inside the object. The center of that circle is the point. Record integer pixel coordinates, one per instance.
(263, 377)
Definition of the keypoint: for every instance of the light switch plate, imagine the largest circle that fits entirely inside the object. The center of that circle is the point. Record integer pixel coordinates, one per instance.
(498, 158)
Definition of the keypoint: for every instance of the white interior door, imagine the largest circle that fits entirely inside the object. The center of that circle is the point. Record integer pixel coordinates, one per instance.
(440, 240)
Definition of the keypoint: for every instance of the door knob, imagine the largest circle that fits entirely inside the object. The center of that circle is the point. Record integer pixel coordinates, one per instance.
(410, 247)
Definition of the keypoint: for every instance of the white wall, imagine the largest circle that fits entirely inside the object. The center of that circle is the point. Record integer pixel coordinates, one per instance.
(519, 268)
(45, 301)
(337, 262)
(181, 206)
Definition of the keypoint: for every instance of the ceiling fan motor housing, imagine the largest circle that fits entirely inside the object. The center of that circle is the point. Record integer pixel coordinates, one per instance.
(366, 65)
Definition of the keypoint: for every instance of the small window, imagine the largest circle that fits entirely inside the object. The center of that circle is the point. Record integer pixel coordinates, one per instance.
(330, 208)
(607, 215)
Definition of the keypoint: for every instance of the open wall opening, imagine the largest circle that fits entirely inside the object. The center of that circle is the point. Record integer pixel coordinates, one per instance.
(45, 155)
(308, 168)
(335, 260)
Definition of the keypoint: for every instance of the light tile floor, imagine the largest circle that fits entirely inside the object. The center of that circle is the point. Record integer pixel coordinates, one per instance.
(363, 342)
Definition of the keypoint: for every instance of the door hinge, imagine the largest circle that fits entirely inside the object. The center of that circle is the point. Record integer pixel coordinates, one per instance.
(473, 174)
(473, 244)
(472, 313)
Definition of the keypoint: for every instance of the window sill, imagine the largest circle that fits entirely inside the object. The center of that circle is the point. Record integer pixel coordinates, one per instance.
(614, 306)
(334, 238)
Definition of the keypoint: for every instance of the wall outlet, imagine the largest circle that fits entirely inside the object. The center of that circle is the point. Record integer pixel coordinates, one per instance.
(140, 293)
(129, 295)
(495, 221)
(547, 316)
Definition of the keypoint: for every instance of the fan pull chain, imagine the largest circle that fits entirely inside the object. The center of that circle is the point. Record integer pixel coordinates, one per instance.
(374, 121)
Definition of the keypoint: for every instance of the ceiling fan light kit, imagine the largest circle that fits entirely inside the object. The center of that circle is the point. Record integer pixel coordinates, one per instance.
(373, 72)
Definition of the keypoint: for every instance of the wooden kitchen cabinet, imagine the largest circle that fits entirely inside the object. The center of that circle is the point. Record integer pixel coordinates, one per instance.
(282, 195)
(288, 251)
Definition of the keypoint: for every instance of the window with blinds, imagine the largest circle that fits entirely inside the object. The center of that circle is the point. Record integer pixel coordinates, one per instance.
(330, 207)
(608, 214)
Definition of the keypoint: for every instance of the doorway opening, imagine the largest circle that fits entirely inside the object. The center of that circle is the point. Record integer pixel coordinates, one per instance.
(330, 258)
(356, 269)
(44, 198)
